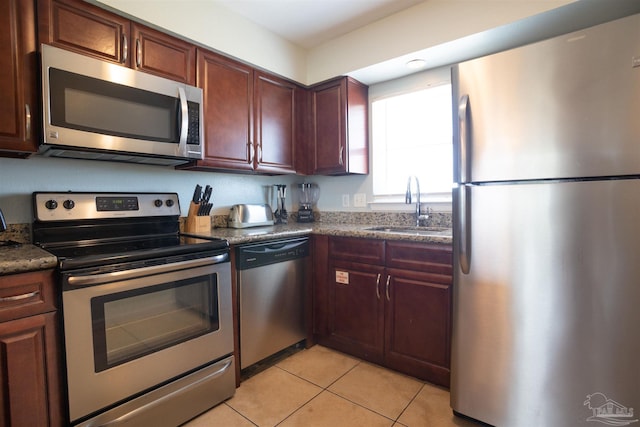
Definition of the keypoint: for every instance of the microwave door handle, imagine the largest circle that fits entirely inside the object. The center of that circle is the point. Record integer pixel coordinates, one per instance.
(184, 124)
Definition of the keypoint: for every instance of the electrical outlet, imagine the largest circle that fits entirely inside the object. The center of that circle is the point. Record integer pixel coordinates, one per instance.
(360, 200)
(345, 200)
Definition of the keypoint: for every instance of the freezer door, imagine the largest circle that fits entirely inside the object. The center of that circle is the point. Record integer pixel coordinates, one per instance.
(546, 322)
(564, 107)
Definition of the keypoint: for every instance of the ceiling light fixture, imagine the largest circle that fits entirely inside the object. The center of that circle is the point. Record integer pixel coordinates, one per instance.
(415, 64)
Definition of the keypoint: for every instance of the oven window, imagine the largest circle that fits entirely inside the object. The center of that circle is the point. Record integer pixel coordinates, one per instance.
(128, 325)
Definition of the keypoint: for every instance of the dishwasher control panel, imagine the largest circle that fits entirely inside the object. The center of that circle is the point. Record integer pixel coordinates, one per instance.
(271, 252)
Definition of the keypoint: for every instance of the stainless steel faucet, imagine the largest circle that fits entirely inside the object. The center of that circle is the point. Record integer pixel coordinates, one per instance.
(407, 199)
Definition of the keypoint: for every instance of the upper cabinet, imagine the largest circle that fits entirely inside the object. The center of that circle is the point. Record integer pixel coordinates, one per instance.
(253, 121)
(87, 29)
(251, 118)
(340, 127)
(18, 85)
(275, 124)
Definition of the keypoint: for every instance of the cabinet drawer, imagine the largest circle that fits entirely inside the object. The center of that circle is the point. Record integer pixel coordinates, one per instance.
(26, 294)
(429, 258)
(368, 251)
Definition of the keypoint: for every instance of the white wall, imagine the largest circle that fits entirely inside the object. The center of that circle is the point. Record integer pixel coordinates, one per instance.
(207, 23)
(21, 177)
(423, 26)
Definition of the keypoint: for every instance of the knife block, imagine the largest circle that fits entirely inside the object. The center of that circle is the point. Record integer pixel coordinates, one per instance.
(197, 224)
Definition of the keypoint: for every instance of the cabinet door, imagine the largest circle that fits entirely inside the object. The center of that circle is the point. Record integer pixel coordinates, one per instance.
(418, 325)
(329, 128)
(275, 125)
(18, 77)
(356, 314)
(160, 54)
(341, 127)
(83, 28)
(228, 93)
(29, 372)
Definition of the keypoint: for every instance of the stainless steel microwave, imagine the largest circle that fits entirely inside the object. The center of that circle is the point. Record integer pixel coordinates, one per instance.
(97, 110)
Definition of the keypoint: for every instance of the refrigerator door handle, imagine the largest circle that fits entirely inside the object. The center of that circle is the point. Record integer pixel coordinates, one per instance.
(464, 216)
(465, 138)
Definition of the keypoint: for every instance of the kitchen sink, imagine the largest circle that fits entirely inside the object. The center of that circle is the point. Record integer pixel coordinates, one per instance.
(415, 231)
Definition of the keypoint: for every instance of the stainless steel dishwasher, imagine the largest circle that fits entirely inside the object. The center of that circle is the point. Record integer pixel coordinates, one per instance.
(271, 296)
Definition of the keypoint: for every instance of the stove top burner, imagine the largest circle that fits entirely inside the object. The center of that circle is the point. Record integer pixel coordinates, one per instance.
(83, 254)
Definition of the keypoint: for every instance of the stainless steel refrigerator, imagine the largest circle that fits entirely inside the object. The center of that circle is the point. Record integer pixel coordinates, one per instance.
(546, 328)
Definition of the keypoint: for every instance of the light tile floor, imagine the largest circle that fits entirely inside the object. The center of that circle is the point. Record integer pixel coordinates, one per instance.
(319, 387)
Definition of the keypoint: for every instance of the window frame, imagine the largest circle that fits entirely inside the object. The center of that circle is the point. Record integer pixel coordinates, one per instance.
(440, 201)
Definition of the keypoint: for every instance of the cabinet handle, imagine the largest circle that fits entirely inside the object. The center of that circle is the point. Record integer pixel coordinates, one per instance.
(387, 288)
(19, 297)
(27, 121)
(340, 161)
(251, 152)
(138, 53)
(378, 286)
(125, 48)
(260, 153)
(184, 125)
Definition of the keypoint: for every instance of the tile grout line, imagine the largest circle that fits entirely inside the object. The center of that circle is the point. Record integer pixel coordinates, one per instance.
(323, 389)
(241, 414)
(410, 402)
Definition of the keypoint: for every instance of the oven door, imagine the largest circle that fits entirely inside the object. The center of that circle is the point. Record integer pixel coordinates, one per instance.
(133, 330)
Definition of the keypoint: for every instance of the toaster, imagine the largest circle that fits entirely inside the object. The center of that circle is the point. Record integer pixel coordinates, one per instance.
(245, 216)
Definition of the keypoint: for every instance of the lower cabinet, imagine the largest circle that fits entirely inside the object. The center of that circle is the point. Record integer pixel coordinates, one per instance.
(388, 302)
(29, 351)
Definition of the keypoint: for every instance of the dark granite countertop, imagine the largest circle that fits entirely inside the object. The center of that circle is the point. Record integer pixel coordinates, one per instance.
(257, 234)
(24, 258)
(27, 257)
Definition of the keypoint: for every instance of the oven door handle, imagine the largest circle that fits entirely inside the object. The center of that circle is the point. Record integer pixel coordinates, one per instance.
(98, 279)
(149, 406)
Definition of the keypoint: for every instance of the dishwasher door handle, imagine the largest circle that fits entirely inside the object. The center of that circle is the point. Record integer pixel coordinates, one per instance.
(272, 247)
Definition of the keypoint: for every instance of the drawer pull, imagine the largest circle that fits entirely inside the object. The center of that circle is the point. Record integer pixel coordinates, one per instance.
(19, 297)
(378, 286)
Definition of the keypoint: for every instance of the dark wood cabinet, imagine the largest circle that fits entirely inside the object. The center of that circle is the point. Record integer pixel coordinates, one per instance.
(388, 302)
(18, 78)
(163, 55)
(275, 124)
(251, 120)
(418, 310)
(228, 112)
(339, 111)
(81, 27)
(356, 313)
(29, 351)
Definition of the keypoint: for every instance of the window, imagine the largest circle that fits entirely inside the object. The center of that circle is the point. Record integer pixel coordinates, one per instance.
(412, 135)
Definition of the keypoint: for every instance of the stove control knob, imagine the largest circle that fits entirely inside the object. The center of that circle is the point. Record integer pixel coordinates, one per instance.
(157, 202)
(69, 204)
(169, 203)
(51, 204)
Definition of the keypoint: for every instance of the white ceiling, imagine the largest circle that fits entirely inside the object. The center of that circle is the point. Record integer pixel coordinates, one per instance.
(309, 23)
